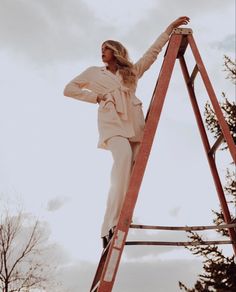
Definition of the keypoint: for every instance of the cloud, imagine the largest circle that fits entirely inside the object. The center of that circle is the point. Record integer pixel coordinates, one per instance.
(46, 31)
(70, 275)
(133, 276)
(56, 203)
(202, 13)
(51, 31)
(155, 276)
(226, 45)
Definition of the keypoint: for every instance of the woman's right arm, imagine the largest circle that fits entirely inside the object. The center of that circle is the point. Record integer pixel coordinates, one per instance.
(78, 88)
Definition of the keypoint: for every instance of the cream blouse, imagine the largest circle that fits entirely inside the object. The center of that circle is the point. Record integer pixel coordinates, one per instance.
(121, 113)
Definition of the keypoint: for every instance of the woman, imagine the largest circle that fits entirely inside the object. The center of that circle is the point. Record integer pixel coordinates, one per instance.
(120, 116)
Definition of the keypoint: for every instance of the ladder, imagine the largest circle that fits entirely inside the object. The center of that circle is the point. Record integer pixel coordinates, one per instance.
(111, 255)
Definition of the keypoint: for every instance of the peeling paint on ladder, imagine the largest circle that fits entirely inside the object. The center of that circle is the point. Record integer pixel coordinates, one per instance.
(119, 239)
(114, 256)
(112, 265)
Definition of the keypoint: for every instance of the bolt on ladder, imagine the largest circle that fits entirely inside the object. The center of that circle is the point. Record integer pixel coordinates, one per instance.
(111, 255)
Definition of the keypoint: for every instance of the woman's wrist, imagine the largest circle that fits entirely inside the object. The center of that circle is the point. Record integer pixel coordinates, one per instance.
(169, 29)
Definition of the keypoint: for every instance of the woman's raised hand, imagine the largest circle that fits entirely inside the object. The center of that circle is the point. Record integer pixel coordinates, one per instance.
(183, 20)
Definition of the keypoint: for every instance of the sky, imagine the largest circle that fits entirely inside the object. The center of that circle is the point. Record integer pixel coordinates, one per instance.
(50, 163)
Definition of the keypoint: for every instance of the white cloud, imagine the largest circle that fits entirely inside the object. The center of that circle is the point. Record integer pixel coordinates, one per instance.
(227, 45)
(45, 31)
(203, 15)
(155, 276)
(133, 276)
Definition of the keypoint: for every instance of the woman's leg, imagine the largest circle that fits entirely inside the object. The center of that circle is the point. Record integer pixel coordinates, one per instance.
(120, 175)
(135, 148)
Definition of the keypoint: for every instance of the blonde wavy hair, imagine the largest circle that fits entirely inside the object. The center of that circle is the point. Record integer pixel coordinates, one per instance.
(125, 66)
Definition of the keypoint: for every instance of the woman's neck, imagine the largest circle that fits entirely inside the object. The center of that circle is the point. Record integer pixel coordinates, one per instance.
(112, 66)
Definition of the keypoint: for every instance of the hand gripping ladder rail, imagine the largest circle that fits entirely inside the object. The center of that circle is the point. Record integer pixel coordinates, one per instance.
(110, 258)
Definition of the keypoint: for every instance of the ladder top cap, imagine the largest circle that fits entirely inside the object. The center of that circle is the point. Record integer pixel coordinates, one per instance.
(182, 31)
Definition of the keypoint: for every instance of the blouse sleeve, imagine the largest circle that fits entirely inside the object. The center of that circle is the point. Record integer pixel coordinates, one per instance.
(78, 88)
(150, 56)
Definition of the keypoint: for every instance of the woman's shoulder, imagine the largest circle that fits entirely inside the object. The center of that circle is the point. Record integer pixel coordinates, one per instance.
(90, 72)
(94, 68)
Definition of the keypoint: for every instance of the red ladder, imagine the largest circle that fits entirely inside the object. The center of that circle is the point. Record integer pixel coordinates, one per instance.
(110, 258)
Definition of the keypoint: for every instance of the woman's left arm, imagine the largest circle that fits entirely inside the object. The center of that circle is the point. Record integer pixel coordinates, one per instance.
(151, 54)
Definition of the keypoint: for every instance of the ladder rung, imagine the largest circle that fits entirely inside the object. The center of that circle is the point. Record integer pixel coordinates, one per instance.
(183, 228)
(217, 144)
(180, 243)
(95, 287)
(194, 74)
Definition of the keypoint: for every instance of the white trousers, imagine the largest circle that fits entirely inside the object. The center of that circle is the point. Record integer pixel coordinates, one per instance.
(124, 153)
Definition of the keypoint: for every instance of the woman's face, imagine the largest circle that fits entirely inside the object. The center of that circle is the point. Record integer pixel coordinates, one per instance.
(107, 54)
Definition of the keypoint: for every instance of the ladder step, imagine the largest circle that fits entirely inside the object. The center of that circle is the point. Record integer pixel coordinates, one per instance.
(183, 228)
(180, 243)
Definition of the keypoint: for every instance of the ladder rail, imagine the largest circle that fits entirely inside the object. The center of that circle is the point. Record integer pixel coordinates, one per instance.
(211, 93)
